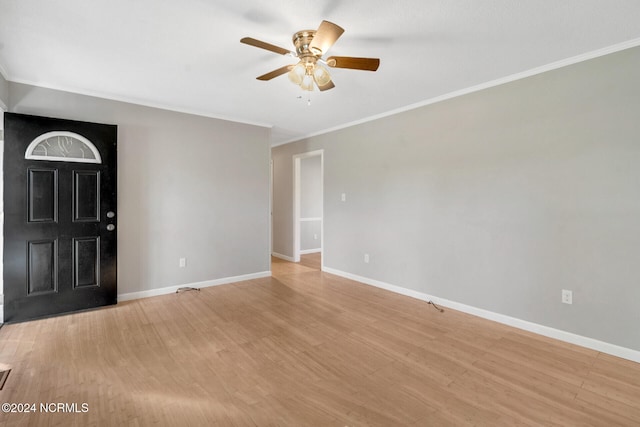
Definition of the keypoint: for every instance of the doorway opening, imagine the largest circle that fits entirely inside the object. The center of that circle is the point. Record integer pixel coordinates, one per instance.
(308, 210)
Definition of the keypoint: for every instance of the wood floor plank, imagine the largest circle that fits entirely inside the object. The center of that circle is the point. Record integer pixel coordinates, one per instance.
(608, 409)
(305, 348)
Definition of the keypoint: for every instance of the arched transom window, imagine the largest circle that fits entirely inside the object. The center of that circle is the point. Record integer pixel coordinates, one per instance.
(63, 146)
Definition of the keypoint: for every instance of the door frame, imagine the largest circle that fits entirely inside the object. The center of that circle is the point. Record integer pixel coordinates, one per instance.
(2, 111)
(296, 200)
(270, 206)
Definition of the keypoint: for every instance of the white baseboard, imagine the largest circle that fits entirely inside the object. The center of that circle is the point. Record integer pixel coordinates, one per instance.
(604, 347)
(284, 257)
(205, 284)
(310, 251)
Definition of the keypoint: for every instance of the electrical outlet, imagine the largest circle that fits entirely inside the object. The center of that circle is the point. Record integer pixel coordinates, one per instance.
(567, 297)
(182, 263)
(366, 258)
(315, 237)
(343, 197)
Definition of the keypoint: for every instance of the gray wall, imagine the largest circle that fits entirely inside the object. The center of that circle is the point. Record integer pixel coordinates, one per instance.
(498, 199)
(188, 186)
(310, 187)
(282, 207)
(311, 236)
(310, 202)
(4, 92)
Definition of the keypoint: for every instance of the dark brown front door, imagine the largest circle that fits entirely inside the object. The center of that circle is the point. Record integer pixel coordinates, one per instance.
(60, 216)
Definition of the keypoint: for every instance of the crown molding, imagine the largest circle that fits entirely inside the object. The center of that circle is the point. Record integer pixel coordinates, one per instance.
(497, 82)
(129, 100)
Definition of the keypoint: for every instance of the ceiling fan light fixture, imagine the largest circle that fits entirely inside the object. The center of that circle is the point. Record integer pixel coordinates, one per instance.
(297, 73)
(310, 46)
(321, 75)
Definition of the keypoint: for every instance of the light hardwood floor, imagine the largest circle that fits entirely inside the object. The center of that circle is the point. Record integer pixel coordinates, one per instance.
(305, 348)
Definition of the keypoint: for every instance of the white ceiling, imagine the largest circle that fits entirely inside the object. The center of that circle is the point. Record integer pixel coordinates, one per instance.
(186, 56)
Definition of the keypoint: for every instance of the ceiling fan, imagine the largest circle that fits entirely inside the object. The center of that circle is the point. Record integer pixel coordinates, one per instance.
(310, 46)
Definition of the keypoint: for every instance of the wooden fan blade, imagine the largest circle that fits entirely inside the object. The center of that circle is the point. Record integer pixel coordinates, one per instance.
(368, 64)
(275, 73)
(325, 37)
(328, 86)
(264, 45)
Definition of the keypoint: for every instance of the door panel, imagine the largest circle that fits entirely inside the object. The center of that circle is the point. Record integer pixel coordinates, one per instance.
(43, 195)
(86, 262)
(42, 276)
(59, 255)
(86, 195)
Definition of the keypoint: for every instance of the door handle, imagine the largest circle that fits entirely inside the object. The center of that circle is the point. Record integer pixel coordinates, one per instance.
(111, 227)
(111, 214)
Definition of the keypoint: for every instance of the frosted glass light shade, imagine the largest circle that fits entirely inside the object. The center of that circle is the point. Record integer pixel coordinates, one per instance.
(297, 73)
(307, 82)
(321, 75)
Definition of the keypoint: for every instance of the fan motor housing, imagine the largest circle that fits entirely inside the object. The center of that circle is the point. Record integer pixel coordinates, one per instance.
(302, 40)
